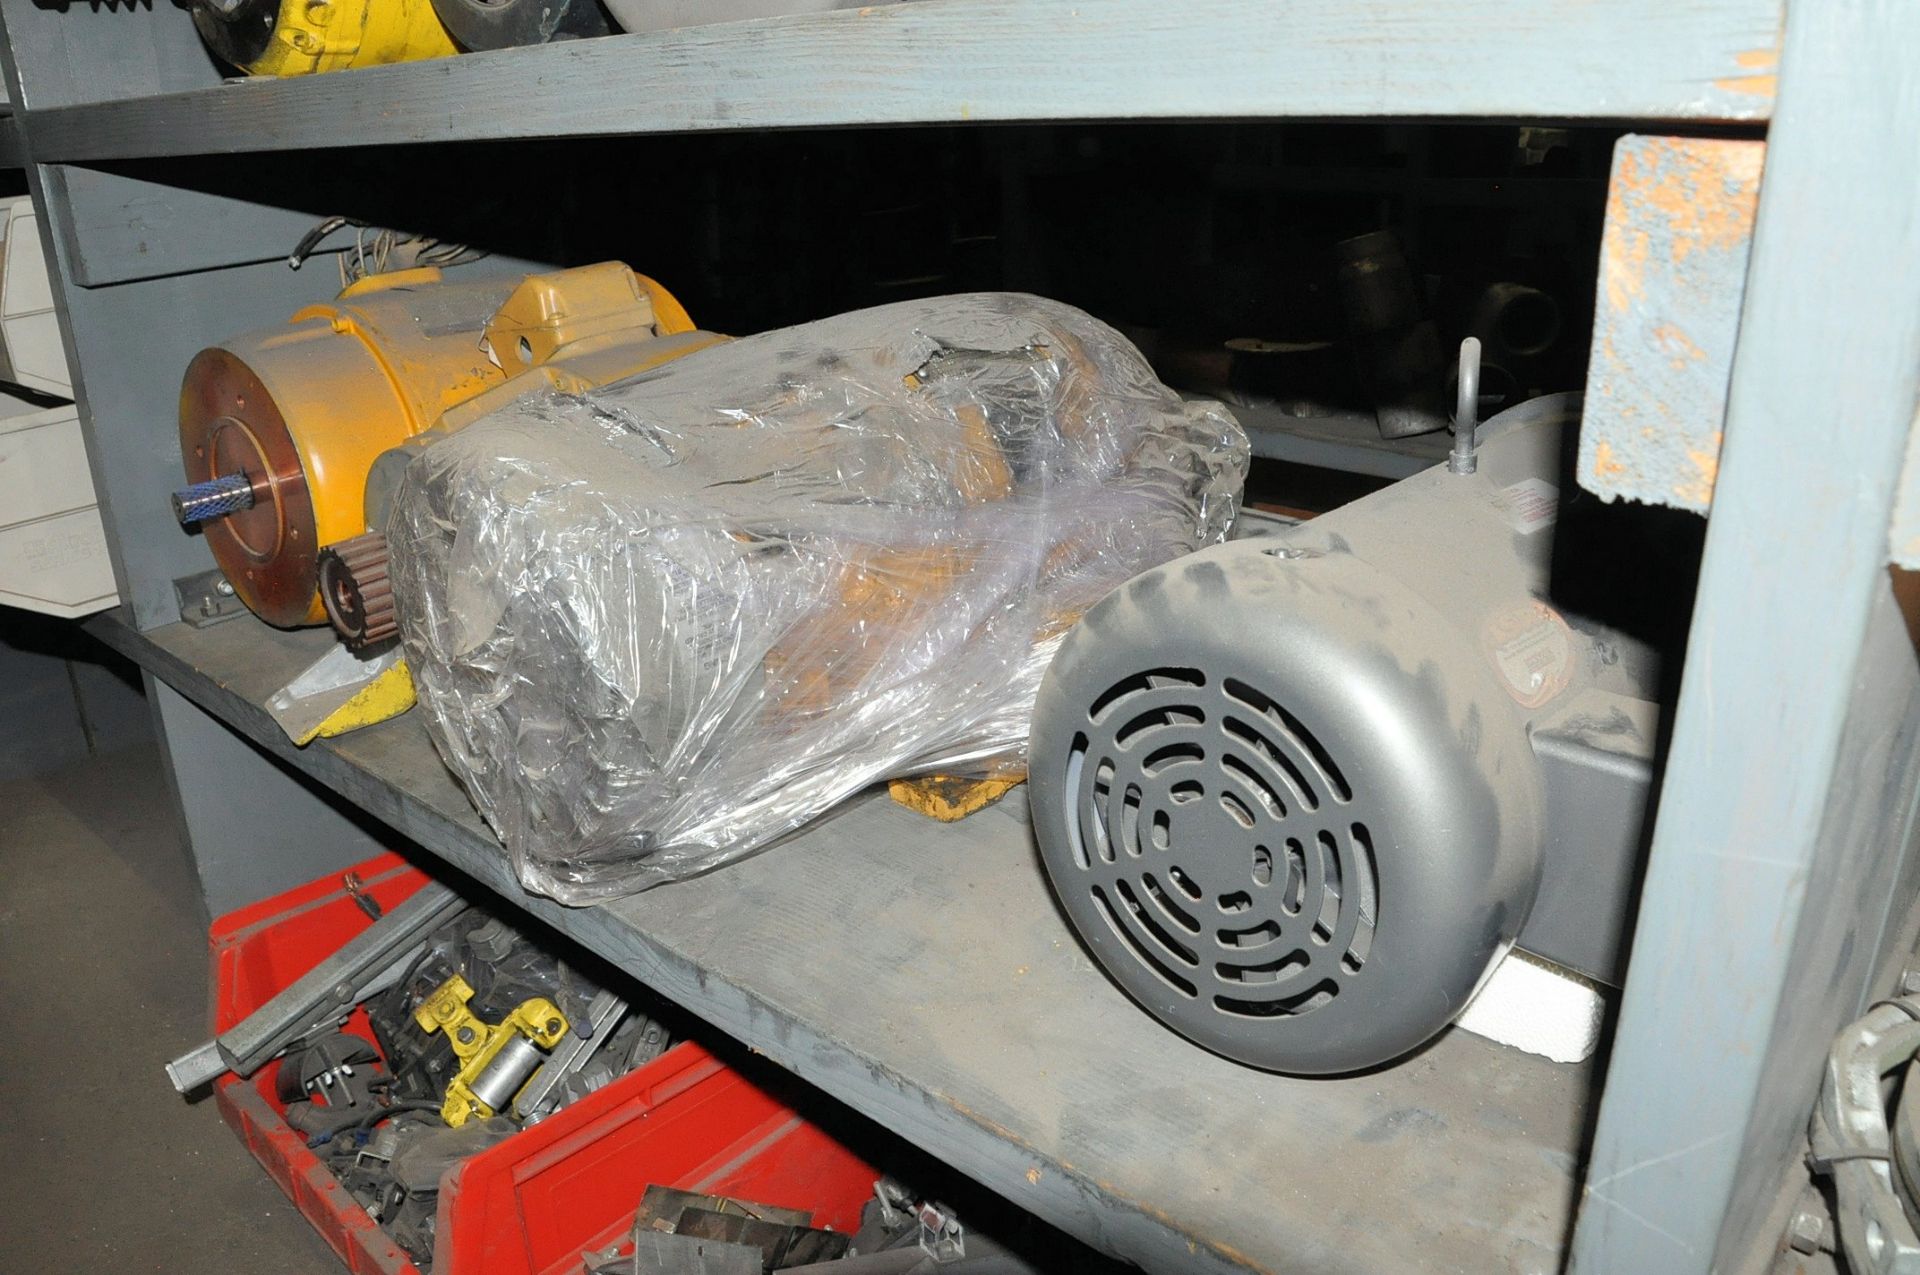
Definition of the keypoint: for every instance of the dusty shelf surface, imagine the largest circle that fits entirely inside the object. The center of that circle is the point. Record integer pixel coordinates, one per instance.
(1349, 442)
(975, 61)
(920, 973)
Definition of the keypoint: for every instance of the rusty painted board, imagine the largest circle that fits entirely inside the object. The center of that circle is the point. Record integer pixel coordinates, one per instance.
(1673, 269)
(1783, 860)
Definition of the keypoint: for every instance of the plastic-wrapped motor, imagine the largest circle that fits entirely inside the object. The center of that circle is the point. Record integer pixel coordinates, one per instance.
(660, 625)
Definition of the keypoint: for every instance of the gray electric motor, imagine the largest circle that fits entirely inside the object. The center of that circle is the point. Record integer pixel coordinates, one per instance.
(1301, 792)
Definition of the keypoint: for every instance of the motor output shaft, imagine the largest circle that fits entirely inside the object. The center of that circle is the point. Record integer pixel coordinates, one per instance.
(214, 498)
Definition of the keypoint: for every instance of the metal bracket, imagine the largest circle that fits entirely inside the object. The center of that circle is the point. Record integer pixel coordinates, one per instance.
(570, 1055)
(207, 597)
(941, 1235)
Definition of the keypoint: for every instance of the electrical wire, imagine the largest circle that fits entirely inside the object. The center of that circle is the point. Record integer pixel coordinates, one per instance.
(370, 1119)
(380, 249)
(311, 240)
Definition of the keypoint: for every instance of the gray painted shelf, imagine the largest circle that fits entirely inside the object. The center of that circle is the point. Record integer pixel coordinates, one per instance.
(920, 973)
(971, 61)
(1349, 442)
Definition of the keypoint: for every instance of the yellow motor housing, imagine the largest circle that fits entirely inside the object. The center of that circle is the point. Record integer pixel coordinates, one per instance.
(301, 411)
(304, 37)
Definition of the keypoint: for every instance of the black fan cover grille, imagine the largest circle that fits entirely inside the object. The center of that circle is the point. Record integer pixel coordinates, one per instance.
(1222, 844)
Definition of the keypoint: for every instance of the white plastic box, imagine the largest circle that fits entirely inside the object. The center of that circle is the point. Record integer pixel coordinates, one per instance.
(53, 550)
(30, 350)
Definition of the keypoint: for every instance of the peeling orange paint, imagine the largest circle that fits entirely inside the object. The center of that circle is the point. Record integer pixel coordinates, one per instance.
(1674, 339)
(1625, 266)
(1605, 467)
(1680, 216)
(1752, 85)
(1704, 190)
(1688, 194)
(1699, 492)
(1758, 85)
(1623, 255)
(1227, 1251)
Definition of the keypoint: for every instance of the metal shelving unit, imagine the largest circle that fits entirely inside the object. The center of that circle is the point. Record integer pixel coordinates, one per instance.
(920, 973)
(979, 61)
(922, 976)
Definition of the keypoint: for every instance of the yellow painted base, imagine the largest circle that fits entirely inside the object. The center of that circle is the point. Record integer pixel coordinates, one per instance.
(950, 797)
(386, 696)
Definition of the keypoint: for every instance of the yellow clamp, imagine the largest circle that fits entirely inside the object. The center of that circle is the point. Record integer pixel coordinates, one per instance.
(486, 1081)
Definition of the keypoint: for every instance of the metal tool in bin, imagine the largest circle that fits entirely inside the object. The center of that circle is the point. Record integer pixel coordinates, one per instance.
(320, 1000)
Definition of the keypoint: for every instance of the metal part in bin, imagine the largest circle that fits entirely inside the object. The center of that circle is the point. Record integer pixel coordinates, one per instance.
(532, 1204)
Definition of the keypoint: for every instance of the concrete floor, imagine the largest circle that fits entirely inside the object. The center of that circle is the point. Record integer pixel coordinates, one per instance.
(103, 976)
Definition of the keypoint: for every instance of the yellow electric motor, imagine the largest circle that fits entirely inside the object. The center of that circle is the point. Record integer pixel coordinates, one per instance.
(303, 37)
(279, 427)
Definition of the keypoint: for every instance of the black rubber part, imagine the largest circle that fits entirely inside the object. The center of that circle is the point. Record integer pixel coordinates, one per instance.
(242, 36)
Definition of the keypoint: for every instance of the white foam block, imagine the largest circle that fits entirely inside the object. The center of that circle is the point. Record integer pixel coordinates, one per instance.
(1532, 1005)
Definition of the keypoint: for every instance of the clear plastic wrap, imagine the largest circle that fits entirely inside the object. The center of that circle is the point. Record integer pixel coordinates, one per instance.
(658, 626)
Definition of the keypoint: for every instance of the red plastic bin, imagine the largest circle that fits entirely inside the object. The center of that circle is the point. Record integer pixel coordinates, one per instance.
(535, 1203)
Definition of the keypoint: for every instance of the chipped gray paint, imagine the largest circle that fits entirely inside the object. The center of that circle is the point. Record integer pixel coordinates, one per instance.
(971, 61)
(1783, 858)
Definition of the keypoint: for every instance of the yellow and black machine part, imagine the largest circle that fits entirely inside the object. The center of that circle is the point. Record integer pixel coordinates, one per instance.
(312, 37)
(308, 37)
(496, 1059)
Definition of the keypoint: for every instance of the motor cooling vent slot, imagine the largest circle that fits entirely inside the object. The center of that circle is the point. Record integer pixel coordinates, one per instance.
(1222, 844)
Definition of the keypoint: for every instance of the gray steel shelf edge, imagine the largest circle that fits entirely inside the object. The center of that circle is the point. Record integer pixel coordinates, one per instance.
(970, 1024)
(812, 1056)
(970, 61)
(1784, 863)
(808, 1054)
